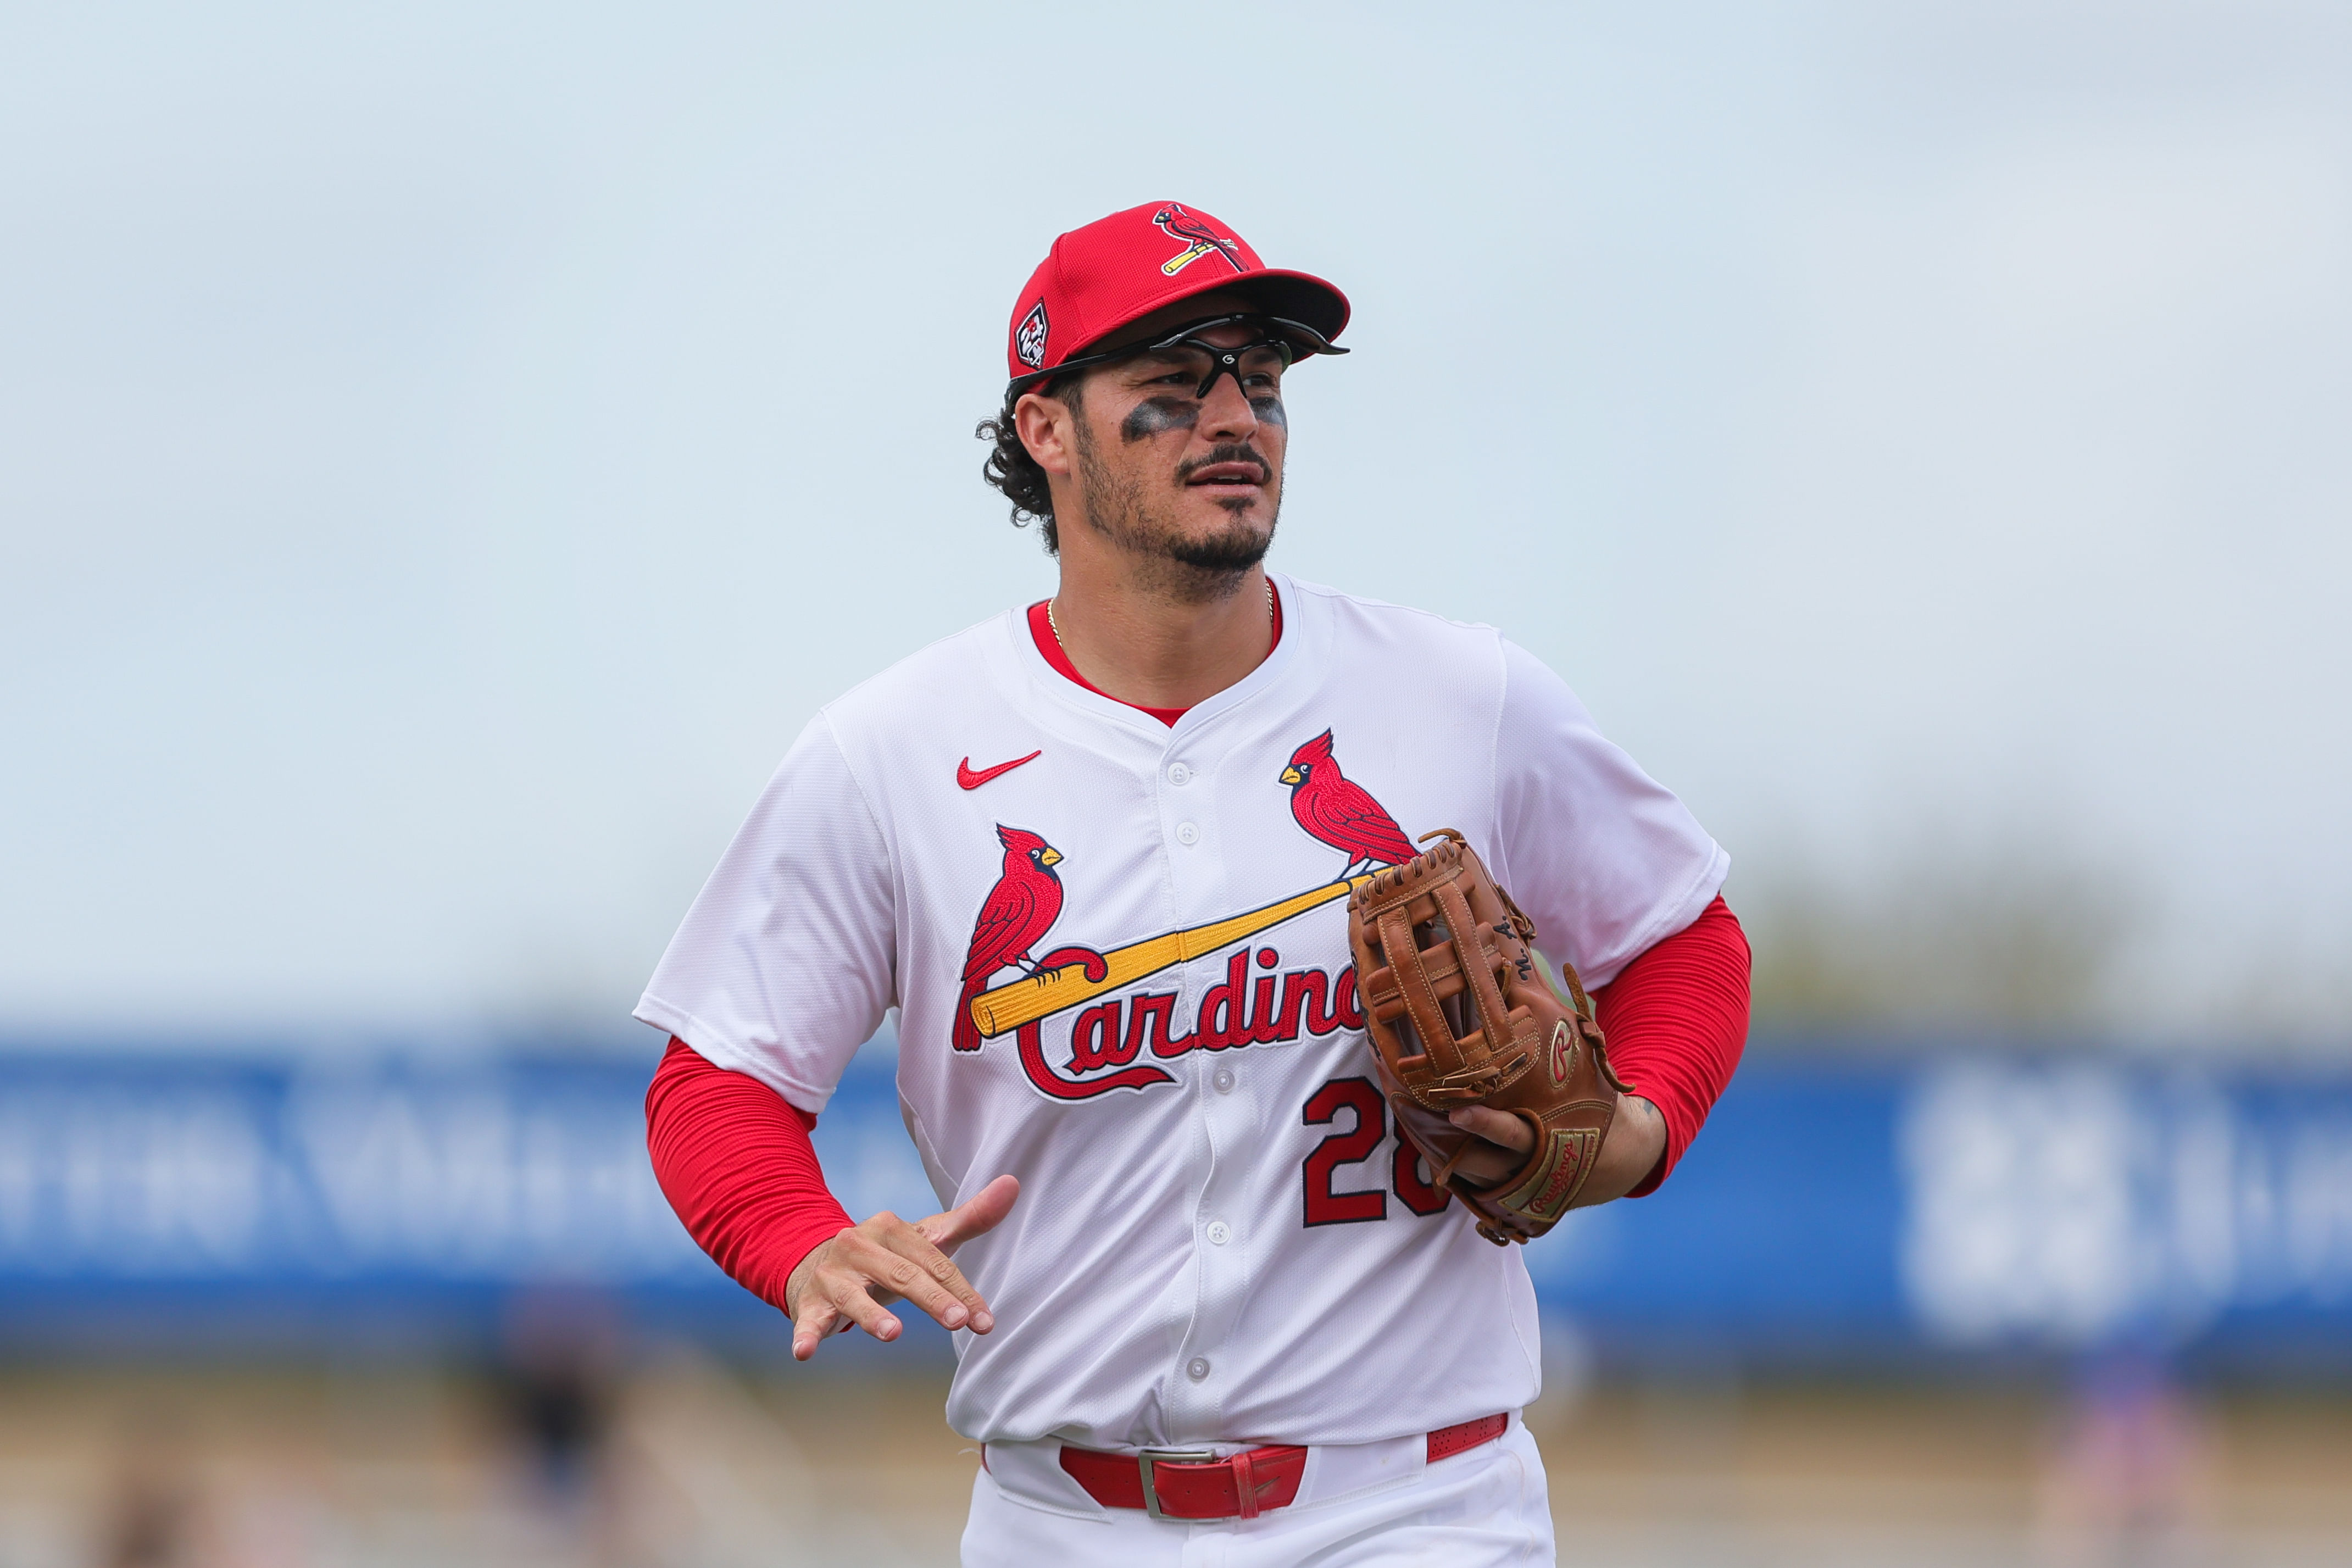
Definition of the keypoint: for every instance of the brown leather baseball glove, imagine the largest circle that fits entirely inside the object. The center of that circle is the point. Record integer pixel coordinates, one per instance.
(1458, 1015)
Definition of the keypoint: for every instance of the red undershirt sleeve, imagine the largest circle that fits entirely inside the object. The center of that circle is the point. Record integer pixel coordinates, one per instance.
(1675, 1019)
(734, 1159)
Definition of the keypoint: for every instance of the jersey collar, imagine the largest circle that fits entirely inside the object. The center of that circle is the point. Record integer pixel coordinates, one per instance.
(1040, 653)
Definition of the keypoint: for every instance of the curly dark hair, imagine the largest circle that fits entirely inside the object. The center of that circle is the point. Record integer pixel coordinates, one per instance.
(1012, 470)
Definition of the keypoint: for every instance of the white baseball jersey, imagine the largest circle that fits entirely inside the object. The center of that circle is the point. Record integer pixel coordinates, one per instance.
(1219, 1237)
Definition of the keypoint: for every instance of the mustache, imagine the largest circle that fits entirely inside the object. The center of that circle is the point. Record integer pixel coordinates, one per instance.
(1231, 452)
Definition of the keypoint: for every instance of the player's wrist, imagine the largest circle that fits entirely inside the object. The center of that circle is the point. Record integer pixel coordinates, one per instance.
(1637, 1141)
(796, 1283)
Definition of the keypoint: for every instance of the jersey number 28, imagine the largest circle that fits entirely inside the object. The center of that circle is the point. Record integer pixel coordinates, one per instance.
(1357, 1101)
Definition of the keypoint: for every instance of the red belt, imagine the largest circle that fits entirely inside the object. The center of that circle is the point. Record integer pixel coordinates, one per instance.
(1192, 1483)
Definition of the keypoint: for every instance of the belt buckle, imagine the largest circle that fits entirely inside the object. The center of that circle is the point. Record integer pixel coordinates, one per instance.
(1147, 1458)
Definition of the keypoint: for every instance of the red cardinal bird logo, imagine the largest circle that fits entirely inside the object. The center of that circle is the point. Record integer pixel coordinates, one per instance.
(1341, 812)
(1201, 239)
(1015, 915)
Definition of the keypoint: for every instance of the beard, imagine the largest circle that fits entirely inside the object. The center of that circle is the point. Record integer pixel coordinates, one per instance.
(1187, 568)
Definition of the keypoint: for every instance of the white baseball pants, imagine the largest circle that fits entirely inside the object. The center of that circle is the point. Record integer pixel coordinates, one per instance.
(1485, 1508)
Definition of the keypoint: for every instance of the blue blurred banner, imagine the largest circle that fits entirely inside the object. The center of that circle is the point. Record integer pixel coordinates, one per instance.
(166, 1170)
(1829, 1211)
(1988, 1205)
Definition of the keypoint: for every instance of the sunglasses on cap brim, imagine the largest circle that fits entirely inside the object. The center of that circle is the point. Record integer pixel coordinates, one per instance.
(1294, 340)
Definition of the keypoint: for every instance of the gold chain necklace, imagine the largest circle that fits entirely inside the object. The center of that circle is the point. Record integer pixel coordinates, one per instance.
(1055, 627)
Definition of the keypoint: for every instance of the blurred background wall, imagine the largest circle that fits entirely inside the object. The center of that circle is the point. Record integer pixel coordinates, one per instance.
(445, 458)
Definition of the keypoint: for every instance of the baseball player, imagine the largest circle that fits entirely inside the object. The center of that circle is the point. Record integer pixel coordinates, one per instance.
(1209, 1305)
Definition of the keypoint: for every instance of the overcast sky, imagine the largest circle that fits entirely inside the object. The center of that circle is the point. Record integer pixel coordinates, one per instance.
(445, 456)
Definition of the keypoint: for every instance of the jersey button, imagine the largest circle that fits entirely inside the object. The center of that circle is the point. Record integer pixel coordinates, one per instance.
(1220, 1233)
(1179, 774)
(1197, 1368)
(1187, 834)
(1223, 1078)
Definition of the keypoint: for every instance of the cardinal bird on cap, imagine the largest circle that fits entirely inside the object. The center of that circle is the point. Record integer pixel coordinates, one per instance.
(1342, 813)
(1016, 913)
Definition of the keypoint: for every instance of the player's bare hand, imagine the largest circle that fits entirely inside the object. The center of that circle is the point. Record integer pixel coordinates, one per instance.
(1636, 1140)
(851, 1279)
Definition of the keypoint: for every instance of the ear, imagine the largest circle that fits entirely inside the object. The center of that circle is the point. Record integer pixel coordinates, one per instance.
(1047, 427)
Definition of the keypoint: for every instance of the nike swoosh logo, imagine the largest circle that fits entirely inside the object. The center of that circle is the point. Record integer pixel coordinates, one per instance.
(971, 780)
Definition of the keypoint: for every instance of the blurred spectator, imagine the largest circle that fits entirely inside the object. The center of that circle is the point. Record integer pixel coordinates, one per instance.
(2127, 1479)
(148, 1518)
(558, 1376)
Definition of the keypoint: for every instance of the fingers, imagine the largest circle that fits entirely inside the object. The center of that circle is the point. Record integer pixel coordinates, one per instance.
(805, 1299)
(1483, 1166)
(1495, 1127)
(909, 1266)
(1502, 1143)
(979, 1214)
(850, 1280)
(835, 1300)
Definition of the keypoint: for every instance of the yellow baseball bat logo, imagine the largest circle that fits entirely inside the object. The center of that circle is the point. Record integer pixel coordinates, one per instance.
(1032, 997)
(1183, 259)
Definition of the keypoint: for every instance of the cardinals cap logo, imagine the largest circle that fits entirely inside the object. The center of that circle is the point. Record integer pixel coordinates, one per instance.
(1199, 239)
(1029, 342)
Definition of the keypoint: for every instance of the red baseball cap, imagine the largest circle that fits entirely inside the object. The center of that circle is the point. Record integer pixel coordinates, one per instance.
(1118, 269)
